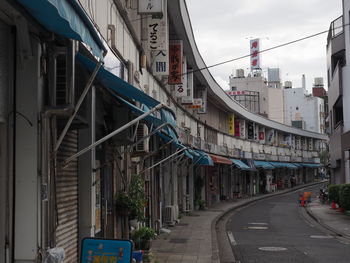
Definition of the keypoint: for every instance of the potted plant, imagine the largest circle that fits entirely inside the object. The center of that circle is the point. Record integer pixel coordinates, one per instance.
(123, 203)
(142, 237)
(137, 197)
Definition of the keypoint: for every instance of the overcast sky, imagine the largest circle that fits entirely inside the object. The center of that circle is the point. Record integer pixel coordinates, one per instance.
(223, 28)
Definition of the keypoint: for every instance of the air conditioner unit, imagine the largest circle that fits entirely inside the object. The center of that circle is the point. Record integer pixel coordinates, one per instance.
(143, 146)
(169, 215)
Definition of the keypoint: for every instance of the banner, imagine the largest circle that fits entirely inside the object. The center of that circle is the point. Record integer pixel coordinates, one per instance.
(231, 124)
(175, 62)
(254, 54)
(242, 129)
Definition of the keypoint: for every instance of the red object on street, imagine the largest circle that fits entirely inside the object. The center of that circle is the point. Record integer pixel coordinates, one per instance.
(334, 205)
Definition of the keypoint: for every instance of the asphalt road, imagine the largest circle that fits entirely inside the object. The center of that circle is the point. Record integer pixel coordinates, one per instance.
(277, 230)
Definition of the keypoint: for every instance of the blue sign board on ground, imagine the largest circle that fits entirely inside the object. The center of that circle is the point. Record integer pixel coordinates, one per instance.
(96, 250)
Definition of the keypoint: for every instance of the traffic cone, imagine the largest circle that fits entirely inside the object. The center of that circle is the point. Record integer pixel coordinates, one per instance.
(333, 205)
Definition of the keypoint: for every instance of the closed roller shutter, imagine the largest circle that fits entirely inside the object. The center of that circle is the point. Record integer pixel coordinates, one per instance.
(67, 199)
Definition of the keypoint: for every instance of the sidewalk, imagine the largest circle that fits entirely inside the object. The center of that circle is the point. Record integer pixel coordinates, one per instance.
(331, 219)
(194, 239)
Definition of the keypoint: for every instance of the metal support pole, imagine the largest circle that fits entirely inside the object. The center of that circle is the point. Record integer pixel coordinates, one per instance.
(119, 130)
(76, 109)
(163, 160)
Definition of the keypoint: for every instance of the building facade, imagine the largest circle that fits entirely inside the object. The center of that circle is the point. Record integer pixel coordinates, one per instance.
(338, 47)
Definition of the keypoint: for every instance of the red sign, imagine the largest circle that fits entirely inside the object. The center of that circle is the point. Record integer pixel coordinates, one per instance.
(261, 136)
(175, 62)
(237, 127)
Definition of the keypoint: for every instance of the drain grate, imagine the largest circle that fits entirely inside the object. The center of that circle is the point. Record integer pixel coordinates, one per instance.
(178, 240)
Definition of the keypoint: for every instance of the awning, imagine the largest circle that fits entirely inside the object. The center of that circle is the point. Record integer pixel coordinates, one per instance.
(201, 158)
(66, 18)
(117, 85)
(241, 165)
(311, 165)
(284, 165)
(263, 165)
(220, 160)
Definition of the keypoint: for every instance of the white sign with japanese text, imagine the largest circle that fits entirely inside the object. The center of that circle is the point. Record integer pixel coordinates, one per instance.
(202, 93)
(188, 99)
(150, 7)
(160, 63)
(157, 33)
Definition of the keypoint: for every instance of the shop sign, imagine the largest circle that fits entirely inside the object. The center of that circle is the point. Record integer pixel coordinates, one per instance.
(242, 129)
(202, 94)
(160, 65)
(157, 34)
(254, 54)
(250, 130)
(150, 7)
(237, 127)
(106, 250)
(259, 156)
(175, 62)
(188, 98)
(248, 155)
(270, 136)
(231, 124)
(181, 89)
(196, 104)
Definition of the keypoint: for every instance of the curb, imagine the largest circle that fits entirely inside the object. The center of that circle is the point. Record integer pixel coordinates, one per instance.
(331, 229)
(215, 249)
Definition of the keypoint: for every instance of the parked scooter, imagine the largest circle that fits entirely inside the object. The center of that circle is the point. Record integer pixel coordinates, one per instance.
(323, 195)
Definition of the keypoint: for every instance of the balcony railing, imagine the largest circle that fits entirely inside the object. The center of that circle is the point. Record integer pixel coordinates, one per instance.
(336, 28)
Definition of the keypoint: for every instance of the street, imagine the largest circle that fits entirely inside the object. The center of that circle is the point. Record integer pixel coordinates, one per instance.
(277, 230)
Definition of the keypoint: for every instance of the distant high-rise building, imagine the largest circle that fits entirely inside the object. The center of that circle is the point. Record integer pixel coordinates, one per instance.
(273, 77)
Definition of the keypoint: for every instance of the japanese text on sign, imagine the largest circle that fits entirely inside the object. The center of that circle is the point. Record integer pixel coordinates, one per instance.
(157, 34)
(254, 54)
(160, 64)
(175, 62)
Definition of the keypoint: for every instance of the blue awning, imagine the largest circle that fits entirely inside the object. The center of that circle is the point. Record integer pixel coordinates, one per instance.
(241, 165)
(263, 164)
(117, 85)
(66, 18)
(311, 165)
(283, 165)
(201, 158)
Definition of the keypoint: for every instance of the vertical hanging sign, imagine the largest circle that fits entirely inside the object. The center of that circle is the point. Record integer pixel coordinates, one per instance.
(202, 93)
(150, 7)
(181, 89)
(175, 62)
(242, 129)
(160, 64)
(231, 124)
(237, 128)
(157, 33)
(188, 99)
(254, 54)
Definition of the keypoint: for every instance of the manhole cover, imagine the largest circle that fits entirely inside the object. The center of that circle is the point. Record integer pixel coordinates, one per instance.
(320, 237)
(258, 227)
(273, 249)
(178, 240)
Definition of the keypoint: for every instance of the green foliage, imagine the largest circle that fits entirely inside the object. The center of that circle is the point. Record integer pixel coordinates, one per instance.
(333, 192)
(137, 197)
(123, 200)
(200, 203)
(142, 237)
(344, 196)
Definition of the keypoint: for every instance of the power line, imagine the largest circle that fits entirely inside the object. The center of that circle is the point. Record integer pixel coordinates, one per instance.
(265, 50)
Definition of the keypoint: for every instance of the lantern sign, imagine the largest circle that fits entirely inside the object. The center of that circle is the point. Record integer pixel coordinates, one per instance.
(175, 62)
(150, 7)
(254, 54)
(160, 65)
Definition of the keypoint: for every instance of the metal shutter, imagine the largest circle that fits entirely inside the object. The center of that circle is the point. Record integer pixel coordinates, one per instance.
(67, 199)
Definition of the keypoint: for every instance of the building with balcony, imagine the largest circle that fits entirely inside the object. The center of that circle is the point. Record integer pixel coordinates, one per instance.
(338, 55)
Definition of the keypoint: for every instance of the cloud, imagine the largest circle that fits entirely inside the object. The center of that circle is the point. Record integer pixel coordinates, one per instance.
(224, 31)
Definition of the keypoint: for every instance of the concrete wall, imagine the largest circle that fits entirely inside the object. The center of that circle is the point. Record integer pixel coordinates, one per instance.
(276, 104)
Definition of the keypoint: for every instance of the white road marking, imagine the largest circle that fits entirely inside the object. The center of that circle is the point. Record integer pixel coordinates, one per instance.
(273, 249)
(258, 227)
(232, 239)
(262, 224)
(321, 237)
